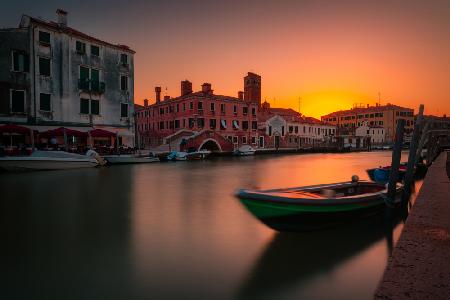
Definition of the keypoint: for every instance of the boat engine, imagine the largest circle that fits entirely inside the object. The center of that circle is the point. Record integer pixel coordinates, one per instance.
(101, 161)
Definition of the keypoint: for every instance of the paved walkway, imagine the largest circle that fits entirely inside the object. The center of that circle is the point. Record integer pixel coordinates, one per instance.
(420, 264)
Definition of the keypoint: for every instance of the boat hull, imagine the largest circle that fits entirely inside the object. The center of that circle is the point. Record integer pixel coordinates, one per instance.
(35, 163)
(305, 215)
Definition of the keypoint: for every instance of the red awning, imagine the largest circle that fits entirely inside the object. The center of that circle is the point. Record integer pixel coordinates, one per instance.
(60, 132)
(11, 128)
(101, 133)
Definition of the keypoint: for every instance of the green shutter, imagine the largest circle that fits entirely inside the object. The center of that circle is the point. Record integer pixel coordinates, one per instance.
(95, 107)
(84, 106)
(18, 101)
(44, 102)
(44, 66)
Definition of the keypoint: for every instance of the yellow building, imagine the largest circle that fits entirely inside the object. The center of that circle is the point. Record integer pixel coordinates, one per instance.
(385, 116)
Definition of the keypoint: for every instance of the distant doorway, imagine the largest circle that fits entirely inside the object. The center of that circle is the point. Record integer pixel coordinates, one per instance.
(277, 141)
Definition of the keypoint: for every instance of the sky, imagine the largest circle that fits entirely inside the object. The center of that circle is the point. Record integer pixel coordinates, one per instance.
(316, 56)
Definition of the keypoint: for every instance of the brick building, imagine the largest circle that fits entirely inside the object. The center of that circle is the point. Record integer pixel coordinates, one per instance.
(385, 116)
(225, 122)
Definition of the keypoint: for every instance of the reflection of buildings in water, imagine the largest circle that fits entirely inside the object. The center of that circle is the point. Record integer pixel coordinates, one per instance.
(65, 234)
(292, 258)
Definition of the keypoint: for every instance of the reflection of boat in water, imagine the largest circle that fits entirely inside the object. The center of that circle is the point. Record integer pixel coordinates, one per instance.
(317, 206)
(47, 160)
(130, 159)
(290, 259)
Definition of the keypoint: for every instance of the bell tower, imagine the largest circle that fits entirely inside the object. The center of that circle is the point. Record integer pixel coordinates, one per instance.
(252, 88)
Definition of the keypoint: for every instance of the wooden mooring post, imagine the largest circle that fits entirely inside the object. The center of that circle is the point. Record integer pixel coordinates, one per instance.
(396, 156)
(412, 155)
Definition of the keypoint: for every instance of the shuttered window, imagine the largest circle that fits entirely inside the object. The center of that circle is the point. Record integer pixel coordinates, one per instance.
(84, 106)
(44, 37)
(45, 102)
(17, 101)
(20, 62)
(44, 66)
(123, 110)
(95, 107)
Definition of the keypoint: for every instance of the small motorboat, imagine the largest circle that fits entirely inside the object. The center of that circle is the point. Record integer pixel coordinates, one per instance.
(198, 155)
(318, 206)
(130, 159)
(381, 174)
(244, 150)
(47, 160)
(177, 156)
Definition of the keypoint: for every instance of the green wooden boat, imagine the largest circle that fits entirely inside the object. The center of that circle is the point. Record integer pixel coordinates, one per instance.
(316, 206)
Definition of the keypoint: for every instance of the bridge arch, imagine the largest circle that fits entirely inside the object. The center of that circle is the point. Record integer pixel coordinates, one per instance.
(211, 145)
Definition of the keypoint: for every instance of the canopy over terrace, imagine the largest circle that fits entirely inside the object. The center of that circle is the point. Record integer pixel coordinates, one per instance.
(13, 129)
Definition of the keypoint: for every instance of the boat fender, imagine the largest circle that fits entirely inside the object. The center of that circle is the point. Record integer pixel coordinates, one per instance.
(355, 178)
(91, 153)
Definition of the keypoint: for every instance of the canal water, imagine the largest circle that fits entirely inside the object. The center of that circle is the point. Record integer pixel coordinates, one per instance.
(175, 231)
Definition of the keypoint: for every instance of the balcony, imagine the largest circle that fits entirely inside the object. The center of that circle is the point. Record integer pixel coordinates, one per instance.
(88, 85)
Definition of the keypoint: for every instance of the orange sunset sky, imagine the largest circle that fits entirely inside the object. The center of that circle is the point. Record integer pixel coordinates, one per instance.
(332, 54)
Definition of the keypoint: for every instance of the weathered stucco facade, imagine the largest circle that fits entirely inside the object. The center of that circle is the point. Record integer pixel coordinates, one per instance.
(72, 79)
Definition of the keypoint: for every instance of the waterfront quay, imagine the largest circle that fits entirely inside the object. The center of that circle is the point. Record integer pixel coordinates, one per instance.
(419, 267)
(175, 230)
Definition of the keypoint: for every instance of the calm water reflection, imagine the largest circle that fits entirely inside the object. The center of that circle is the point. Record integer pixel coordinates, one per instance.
(174, 230)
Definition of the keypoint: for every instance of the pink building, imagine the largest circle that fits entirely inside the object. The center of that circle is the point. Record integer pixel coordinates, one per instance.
(201, 119)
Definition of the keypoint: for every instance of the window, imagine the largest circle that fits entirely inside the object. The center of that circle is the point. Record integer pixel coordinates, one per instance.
(254, 140)
(44, 38)
(191, 105)
(222, 108)
(270, 130)
(201, 122)
(253, 111)
(282, 130)
(200, 105)
(213, 106)
(291, 129)
(245, 125)
(223, 124)
(184, 106)
(123, 83)
(177, 108)
(123, 110)
(124, 59)
(84, 106)
(254, 125)
(212, 123)
(245, 110)
(244, 140)
(81, 47)
(161, 110)
(95, 107)
(44, 102)
(191, 123)
(161, 125)
(17, 101)
(95, 50)
(44, 66)
(235, 139)
(235, 109)
(20, 62)
(177, 123)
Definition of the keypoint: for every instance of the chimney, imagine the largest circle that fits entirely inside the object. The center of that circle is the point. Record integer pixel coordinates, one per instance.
(145, 102)
(368, 105)
(62, 17)
(166, 98)
(206, 88)
(241, 95)
(158, 94)
(186, 87)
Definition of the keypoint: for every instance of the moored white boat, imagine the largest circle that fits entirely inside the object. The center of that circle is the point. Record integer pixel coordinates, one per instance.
(176, 155)
(130, 159)
(47, 160)
(245, 150)
(197, 155)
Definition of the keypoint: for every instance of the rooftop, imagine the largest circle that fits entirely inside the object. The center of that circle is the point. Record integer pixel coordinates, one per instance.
(71, 31)
(369, 109)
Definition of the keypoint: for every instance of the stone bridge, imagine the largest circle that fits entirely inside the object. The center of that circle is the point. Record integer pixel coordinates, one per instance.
(206, 140)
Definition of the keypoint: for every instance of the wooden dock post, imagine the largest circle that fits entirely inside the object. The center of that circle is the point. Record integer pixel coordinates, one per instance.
(412, 155)
(396, 156)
